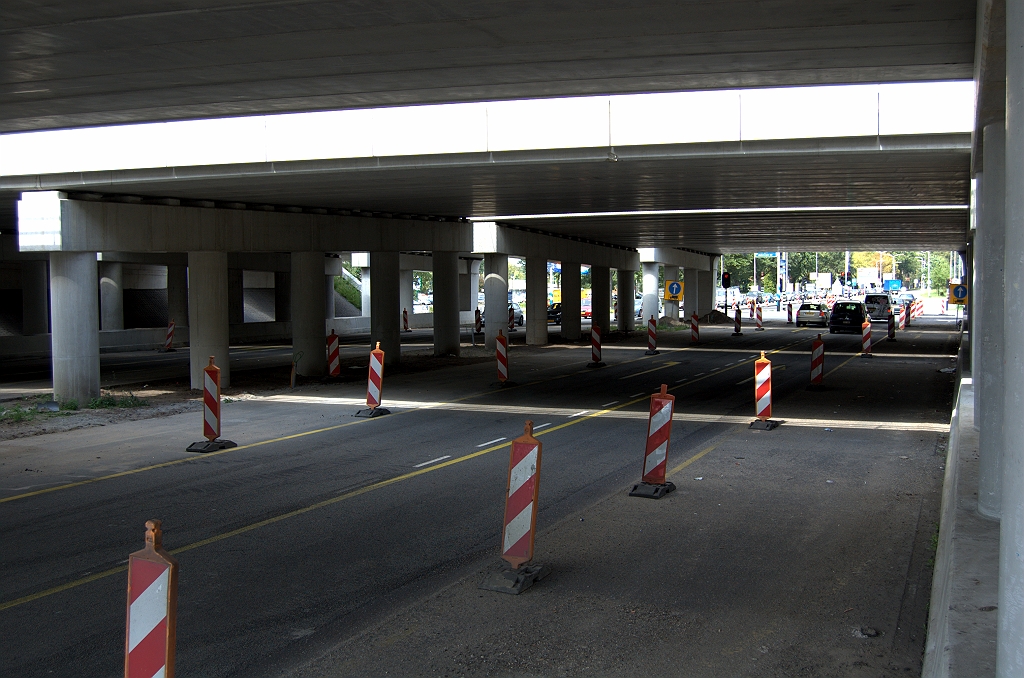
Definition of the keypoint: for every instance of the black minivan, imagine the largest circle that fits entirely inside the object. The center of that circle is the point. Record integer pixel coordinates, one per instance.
(847, 316)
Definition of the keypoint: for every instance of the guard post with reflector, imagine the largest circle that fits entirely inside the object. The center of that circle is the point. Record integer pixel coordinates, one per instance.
(737, 323)
(595, 347)
(151, 624)
(652, 337)
(817, 361)
(865, 338)
(903, 318)
(169, 339)
(519, 526)
(405, 320)
(653, 484)
(211, 413)
(789, 313)
(760, 326)
(374, 386)
(501, 358)
(763, 394)
(333, 355)
(694, 328)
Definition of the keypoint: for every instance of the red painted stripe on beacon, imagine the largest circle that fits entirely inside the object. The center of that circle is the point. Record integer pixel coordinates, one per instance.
(865, 337)
(759, 321)
(521, 499)
(763, 387)
(375, 380)
(595, 343)
(211, 401)
(694, 328)
(501, 355)
(152, 604)
(659, 431)
(652, 335)
(817, 360)
(170, 336)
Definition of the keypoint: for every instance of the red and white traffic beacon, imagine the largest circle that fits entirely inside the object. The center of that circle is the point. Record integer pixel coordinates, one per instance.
(653, 484)
(211, 413)
(374, 386)
(151, 626)
(520, 524)
(763, 395)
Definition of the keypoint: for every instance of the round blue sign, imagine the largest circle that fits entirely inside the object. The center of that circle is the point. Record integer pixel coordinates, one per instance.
(674, 288)
(960, 292)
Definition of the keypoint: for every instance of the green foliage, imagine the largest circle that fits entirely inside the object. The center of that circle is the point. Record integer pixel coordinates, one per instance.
(423, 281)
(124, 401)
(16, 414)
(71, 404)
(940, 271)
(347, 290)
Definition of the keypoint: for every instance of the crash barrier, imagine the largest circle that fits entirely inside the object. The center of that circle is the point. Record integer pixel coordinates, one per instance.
(211, 413)
(737, 323)
(865, 337)
(817, 361)
(151, 624)
(595, 347)
(405, 321)
(694, 329)
(652, 337)
(333, 355)
(170, 336)
(519, 526)
(374, 386)
(891, 326)
(653, 484)
(760, 327)
(501, 355)
(903, 318)
(789, 314)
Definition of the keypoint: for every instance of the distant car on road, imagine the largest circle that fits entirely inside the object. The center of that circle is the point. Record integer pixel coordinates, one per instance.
(906, 299)
(847, 316)
(877, 305)
(515, 308)
(813, 314)
(555, 313)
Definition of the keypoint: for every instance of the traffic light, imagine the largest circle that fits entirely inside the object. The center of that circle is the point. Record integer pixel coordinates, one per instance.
(726, 283)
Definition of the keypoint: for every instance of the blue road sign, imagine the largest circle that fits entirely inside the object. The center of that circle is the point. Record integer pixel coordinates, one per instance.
(674, 288)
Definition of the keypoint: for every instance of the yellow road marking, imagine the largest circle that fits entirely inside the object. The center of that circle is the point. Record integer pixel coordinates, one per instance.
(670, 363)
(342, 497)
(840, 365)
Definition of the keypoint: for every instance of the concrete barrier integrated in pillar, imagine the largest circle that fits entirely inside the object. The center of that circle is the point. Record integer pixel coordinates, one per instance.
(111, 295)
(35, 297)
(536, 301)
(446, 303)
(386, 305)
(624, 309)
(571, 302)
(601, 297)
(75, 321)
(208, 315)
(308, 313)
(495, 296)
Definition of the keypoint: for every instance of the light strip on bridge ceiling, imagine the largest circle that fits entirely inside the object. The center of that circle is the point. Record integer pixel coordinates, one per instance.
(730, 210)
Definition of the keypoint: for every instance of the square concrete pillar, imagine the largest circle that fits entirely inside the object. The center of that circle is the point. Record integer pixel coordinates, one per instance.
(446, 303)
(208, 315)
(282, 296)
(691, 291)
(74, 317)
(601, 297)
(571, 301)
(624, 309)
(386, 305)
(308, 326)
(495, 297)
(536, 301)
(705, 292)
(649, 303)
(236, 296)
(406, 301)
(177, 294)
(111, 295)
(35, 297)
(671, 307)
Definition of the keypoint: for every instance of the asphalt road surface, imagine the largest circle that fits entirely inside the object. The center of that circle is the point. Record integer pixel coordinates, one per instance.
(332, 545)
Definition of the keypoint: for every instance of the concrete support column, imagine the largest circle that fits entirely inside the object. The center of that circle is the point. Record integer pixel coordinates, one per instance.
(691, 290)
(236, 297)
(672, 307)
(208, 315)
(571, 301)
(308, 313)
(705, 292)
(469, 285)
(650, 291)
(601, 297)
(386, 305)
(329, 297)
(282, 296)
(74, 318)
(364, 278)
(495, 296)
(446, 303)
(1010, 634)
(35, 311)
(624, 304)
(177, 294)
(988, 320)
(536, 301)
(405, 302)
(111, 296)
